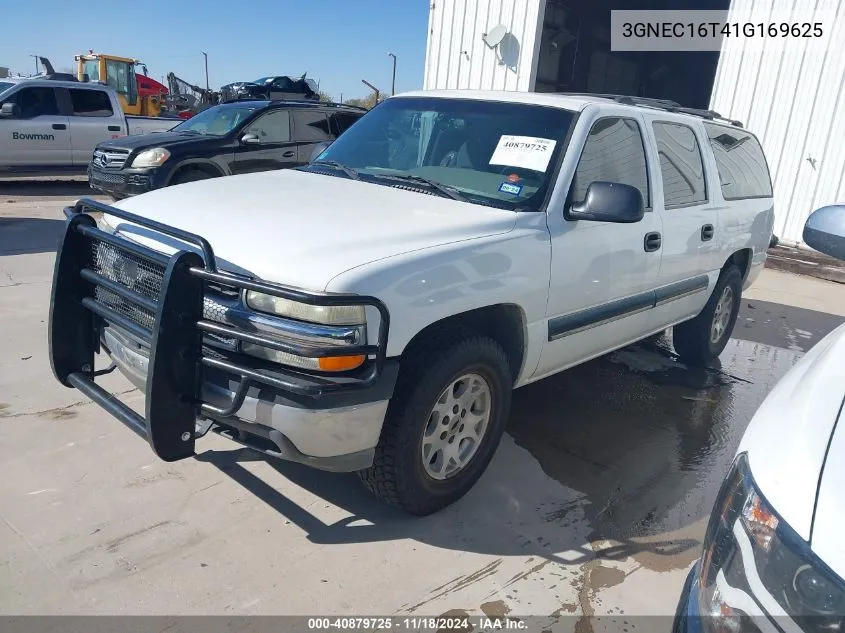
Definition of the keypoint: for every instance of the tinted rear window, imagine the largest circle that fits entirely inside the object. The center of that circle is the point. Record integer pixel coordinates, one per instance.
(680, 165)
(309, 125)
(743, 172)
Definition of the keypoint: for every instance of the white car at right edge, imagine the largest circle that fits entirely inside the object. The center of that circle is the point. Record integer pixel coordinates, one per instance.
(774, 551)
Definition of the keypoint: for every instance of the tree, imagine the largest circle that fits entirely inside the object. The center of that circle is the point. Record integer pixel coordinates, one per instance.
(325, 97)
(367, 102)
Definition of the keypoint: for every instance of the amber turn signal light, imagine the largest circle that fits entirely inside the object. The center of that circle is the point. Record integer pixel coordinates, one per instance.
(340, 363)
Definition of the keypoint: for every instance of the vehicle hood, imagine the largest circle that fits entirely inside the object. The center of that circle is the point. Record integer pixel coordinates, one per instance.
(154, 139)
(788, 438)
(304, 229)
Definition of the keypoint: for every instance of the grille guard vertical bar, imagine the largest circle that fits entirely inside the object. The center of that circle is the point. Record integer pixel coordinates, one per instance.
(71, 326)
(173, 375)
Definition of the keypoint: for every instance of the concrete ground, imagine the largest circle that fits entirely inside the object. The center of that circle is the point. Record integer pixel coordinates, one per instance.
(595, 503)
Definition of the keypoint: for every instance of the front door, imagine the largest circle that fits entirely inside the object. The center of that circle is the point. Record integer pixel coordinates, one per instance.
(602, 274)
(39, 136)
(266, 144)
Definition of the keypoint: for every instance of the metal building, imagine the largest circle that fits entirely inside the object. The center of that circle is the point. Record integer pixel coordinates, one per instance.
(792, 96)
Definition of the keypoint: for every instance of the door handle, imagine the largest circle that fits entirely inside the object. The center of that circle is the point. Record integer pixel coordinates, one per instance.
(114, 128)
(289, 154)
(59, 126)
(651, 242)
(707, 232)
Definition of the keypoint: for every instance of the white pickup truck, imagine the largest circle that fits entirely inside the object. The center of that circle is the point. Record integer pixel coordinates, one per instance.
(373, 310)
(52, 127)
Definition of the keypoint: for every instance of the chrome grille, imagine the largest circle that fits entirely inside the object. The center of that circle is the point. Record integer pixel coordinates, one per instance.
(146, 278)
(110, 159)
(141, 275)
(101, 176)
(136, 273)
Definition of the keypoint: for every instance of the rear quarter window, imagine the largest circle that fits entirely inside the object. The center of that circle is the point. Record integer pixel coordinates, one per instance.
(743, 171)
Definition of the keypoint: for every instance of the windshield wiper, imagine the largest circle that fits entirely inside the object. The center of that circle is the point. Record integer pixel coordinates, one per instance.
(353, 174)
(446, 190)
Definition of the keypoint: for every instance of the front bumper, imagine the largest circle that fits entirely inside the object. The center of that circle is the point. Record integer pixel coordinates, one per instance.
(123, 183)
(337, 434)
(688, 613)
(160, 341)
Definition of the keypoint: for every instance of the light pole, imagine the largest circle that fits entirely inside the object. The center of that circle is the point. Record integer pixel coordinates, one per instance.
(207, 87)
(393, 85)
(36, 64)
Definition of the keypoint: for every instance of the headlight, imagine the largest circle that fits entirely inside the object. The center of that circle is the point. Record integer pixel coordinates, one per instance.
(326, 315)
(332, 316)
(795, 577)
(151, 157)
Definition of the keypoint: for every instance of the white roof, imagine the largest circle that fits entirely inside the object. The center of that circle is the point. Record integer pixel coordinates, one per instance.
(56, 83)
(569, 102)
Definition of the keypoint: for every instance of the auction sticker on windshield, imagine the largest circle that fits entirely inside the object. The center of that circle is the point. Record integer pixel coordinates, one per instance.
(523, 151)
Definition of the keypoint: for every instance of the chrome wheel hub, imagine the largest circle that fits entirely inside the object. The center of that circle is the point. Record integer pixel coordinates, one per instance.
(722, 315)
(456, 425)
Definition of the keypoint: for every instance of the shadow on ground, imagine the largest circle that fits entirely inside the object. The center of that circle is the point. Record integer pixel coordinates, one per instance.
(24, 236)
(44, 188)
(619, 457)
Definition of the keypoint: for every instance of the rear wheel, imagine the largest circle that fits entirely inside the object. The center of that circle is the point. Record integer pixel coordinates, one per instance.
(700, 340)
(443, 424)
(190, 175)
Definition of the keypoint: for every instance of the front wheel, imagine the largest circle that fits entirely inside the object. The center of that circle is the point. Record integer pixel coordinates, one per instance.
(700, 340)
(443, 424)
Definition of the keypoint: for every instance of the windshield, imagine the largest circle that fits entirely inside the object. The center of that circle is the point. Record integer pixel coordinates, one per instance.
(261, 81)
(494, 153)
(5, 85)
(217, 121)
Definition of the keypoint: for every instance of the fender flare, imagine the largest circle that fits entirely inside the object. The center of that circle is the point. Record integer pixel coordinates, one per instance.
(196, 162)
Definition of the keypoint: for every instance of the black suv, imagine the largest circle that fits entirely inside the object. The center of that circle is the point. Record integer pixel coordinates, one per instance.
(230, 138)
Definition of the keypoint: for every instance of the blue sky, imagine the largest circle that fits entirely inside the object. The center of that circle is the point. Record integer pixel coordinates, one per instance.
(337, 42)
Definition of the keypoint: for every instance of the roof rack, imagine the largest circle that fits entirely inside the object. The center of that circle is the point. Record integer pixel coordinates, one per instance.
(297, 102)
(659, 104)
(328, 104)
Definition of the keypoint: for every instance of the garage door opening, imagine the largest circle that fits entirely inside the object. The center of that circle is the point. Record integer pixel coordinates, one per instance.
(575, 55)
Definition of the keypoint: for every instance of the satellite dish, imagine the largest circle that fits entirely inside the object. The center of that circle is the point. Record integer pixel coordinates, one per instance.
(494, 37)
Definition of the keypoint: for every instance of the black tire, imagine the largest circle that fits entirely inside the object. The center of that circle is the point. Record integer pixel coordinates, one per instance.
(692, 339)
(190, 175)
(398, 475)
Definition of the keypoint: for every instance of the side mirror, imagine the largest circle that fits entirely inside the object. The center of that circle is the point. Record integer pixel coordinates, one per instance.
(10, 110)
(609, 202)
(250, 139)
(824, 230)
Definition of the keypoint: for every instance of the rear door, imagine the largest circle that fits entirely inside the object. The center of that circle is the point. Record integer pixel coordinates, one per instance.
(690, 216)
(310, 130)
(271, 146)
(92, 120)
(39, 137)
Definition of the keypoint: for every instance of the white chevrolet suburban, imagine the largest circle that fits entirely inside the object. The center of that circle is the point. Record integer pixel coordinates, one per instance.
(51, 127)
(373, 310)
